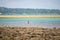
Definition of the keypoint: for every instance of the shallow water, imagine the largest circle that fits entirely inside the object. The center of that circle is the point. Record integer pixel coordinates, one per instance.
(33, 22)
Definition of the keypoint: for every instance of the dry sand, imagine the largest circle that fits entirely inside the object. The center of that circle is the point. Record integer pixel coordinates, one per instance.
(19, 33)
(12, 16)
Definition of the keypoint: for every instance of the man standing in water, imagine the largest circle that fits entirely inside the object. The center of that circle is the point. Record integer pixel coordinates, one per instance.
(28, 21)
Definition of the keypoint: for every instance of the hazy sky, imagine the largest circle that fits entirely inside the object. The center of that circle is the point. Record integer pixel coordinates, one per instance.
(43, 4)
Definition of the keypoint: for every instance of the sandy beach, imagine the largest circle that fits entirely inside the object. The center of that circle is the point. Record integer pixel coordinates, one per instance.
(29, 16)
(26, 33)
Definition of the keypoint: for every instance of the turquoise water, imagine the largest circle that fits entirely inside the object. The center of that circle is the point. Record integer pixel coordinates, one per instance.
(33, 22)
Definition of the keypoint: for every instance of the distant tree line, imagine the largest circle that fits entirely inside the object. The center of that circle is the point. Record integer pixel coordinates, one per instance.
(22, 11)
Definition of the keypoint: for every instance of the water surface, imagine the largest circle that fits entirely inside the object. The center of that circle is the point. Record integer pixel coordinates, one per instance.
(33, 22)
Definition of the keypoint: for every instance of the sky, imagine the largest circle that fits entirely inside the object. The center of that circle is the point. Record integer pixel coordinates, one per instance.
(40, 4)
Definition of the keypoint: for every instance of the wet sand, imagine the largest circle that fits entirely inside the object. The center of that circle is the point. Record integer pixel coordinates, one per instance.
(26, 33)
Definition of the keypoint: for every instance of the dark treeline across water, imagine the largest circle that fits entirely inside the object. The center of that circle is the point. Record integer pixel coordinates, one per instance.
(27, 11)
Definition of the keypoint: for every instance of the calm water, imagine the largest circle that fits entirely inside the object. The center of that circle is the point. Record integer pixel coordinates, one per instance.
(33, 22)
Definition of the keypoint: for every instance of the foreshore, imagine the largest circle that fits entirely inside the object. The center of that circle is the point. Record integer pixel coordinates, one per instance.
(12, 16)
(26, 33)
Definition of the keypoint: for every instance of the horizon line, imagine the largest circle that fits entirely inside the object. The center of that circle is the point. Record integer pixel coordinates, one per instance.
(31, 8)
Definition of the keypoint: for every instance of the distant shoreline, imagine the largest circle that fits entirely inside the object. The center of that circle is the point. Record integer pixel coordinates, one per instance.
(29, 16)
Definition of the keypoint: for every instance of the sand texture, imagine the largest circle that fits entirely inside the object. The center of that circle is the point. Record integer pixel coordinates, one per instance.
(12, 16)
(19, 33)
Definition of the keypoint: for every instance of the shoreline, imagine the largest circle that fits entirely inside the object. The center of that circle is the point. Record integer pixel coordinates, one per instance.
(1, 16)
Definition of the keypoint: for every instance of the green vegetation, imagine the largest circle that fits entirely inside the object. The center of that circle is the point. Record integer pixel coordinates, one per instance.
(22, 11)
